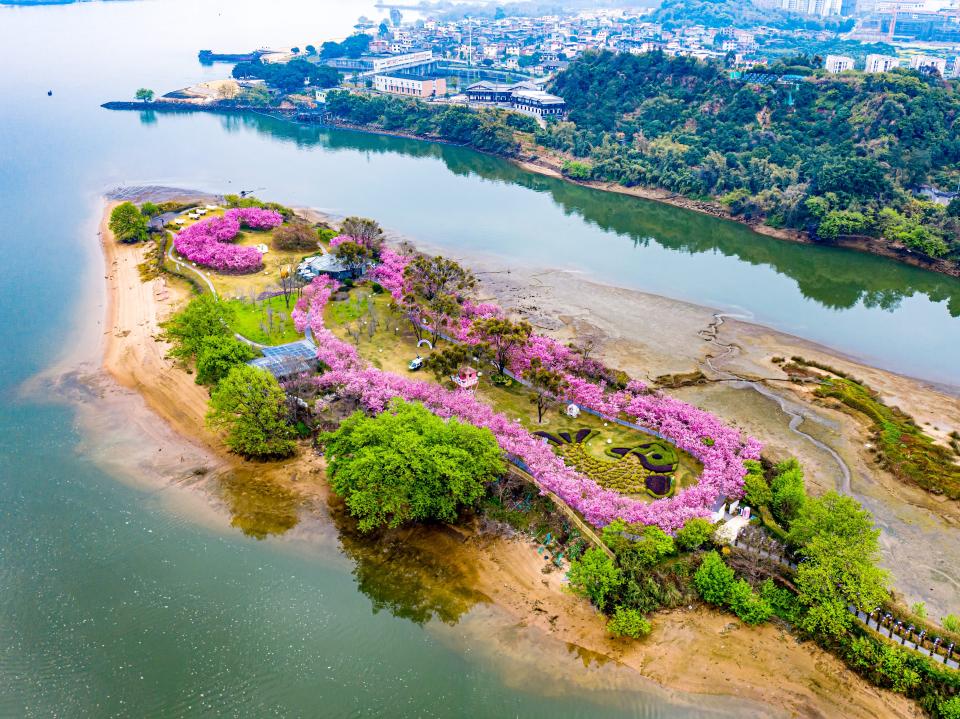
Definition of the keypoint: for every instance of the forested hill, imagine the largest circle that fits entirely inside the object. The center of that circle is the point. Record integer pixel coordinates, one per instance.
(834, 155)
(739, 13)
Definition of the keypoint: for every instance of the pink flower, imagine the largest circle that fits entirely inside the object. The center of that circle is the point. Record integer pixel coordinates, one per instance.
(721, 449)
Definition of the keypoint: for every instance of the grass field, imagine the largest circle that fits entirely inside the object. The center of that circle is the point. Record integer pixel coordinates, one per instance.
(266, 322)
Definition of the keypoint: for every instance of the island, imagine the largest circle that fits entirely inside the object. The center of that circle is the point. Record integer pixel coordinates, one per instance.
(350, 374)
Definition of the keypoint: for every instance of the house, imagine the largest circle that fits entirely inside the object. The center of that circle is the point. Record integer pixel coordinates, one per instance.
(466, 378)
(326, 264)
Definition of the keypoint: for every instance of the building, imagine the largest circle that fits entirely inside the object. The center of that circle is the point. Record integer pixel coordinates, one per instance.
(326, 264)
(881, 63)
(524, 97)
(399, 62)
(822, 8)
(838, 63)
(929, 64)
(956, 66)
(399, 83)
(538, 102)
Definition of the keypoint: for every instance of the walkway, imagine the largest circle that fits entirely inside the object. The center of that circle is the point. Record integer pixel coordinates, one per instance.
(885, 624)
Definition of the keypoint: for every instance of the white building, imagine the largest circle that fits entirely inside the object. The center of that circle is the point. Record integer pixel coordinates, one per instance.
(928, 63)
(838, 63)
(397, 62)
(881, 63)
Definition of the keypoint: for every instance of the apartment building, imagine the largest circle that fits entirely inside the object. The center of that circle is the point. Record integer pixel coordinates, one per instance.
(838, 63)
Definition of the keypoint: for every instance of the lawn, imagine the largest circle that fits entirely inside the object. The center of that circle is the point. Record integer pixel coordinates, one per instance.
(392, 345)
(267, 322)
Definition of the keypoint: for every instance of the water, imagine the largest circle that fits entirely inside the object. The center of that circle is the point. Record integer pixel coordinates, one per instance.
(122, 599)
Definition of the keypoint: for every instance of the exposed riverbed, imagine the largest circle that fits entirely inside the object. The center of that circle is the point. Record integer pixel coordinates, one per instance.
(139, 596)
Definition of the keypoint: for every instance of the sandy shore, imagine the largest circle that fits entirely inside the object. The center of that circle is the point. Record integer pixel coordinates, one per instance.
(762, 665)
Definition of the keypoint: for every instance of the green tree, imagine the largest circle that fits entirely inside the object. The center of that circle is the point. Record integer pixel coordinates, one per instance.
(951, 623)
(747, 604)
(756, 490)
(149, 209)
(250, 406)
(502, 336)
(219, 354)
(365, 231)
(547, 385)
(694, 534)
(408, 465)
(949, 708)
(627, 622)
(840, 547)
(787, 490)
(653, 546)
(353, 256)
(595, 576)
(203, 317)
(448, 361)
(144, 94)
(713, 579)
(127, 223)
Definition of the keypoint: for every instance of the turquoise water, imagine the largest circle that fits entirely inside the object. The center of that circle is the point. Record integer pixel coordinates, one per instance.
(133, 598)
(112, 603)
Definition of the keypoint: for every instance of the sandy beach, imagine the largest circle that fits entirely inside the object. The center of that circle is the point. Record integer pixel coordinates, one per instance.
(766, 665)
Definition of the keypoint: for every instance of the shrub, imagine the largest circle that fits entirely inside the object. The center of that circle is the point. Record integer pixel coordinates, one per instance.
(713, 579)
(595, 576)
(653, 546)
(920, 609)
(782, 601)
(950, 708)
(694, 534)
(787, 490)
(951, 623)
(577, 170)
(756, 490)
(628, 622)
(295, 236)
(376, 288)
(746, 604)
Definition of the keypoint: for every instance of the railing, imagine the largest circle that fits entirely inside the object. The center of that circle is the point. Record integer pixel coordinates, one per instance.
(883, 623)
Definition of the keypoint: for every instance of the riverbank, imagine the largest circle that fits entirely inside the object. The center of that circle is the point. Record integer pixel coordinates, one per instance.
(550, 166)
(799, 678)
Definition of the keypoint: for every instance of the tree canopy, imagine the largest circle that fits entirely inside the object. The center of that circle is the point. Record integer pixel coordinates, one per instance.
(203, 317)
(127, 223)
(832, 155)
(409, 465)
(250, 406)
(840, 548)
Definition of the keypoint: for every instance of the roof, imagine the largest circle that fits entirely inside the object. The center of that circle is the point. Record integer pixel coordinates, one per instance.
(322, 263)
(544, 98)
(288, 359)
(488, 86)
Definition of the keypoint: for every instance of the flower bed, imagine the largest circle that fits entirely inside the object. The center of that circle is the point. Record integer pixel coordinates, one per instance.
(205, 242)
(719, 448)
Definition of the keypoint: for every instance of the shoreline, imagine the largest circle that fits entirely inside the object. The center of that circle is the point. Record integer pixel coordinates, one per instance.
(809, 681)
(542, 165)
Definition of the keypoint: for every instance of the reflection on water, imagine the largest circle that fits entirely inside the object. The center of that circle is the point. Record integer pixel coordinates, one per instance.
(259, 507)
(836, 279)
(417, 574)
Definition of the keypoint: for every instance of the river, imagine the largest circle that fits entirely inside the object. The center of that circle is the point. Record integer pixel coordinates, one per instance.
(117, 600)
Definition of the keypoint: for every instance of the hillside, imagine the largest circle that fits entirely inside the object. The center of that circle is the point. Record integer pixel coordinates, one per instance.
(834, 155)
(740, 14)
